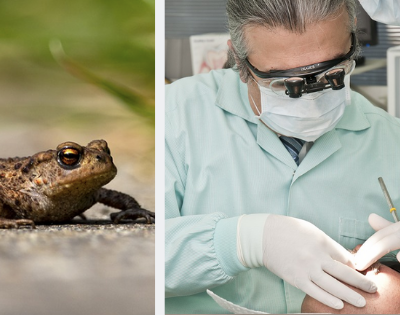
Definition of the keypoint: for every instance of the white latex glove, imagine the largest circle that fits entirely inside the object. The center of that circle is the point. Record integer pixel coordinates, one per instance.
(385, 240)
(302, 255)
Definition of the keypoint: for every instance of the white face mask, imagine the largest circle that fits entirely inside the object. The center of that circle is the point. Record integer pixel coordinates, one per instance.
(307, 117)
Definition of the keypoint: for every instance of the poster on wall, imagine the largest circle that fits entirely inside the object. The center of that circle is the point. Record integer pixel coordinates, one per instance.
(208, 51)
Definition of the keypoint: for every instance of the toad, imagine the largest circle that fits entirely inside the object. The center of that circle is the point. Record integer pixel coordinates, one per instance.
(56, 185)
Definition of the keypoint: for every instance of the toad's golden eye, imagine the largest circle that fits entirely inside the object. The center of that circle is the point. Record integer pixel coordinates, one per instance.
(69, 157)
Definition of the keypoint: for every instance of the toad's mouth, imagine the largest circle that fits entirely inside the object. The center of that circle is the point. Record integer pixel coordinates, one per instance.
(76, 184)
(96, 179)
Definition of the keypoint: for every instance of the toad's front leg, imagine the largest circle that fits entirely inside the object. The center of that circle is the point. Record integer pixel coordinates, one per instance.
(9, 219)
(130, 208)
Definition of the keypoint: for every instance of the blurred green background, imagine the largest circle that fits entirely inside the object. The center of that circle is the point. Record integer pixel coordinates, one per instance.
(110, 36)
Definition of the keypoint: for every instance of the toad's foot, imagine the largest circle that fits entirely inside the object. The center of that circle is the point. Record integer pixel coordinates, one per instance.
(133, 214)
(15, 224)
(130, 208)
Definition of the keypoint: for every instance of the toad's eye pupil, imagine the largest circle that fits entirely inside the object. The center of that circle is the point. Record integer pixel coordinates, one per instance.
(69, 156)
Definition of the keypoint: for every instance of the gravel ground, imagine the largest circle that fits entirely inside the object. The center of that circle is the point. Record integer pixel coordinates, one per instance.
(96, 268)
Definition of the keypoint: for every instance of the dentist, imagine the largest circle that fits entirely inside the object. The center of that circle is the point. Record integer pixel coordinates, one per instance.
(271, 165)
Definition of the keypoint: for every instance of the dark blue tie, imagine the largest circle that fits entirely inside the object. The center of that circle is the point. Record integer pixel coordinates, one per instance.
(293, 145)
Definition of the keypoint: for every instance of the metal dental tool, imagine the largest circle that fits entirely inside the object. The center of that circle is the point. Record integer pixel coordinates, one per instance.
(388, 199)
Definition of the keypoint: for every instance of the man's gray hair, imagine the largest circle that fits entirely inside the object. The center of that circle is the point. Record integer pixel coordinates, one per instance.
(293, 15)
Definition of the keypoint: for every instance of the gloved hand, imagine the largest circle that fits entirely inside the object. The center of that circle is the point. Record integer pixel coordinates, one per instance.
(385, 240)
(302, 255)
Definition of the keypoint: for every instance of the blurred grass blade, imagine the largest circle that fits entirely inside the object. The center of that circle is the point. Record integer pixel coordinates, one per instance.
(136, 102)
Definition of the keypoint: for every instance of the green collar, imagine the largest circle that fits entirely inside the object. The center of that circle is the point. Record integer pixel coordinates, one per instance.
(354, 118)
(233, 96)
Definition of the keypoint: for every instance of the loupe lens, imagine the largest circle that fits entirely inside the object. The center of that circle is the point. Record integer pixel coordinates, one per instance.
(294, 86)
(336, 78)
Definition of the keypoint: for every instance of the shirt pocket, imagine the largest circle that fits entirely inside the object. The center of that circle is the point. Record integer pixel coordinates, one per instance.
(353, 232)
